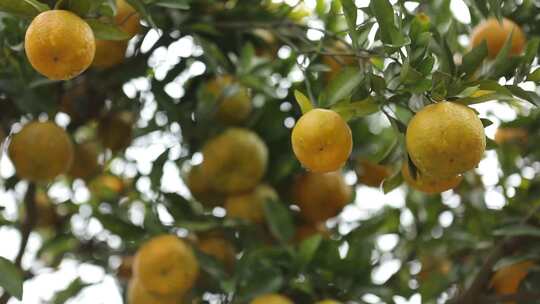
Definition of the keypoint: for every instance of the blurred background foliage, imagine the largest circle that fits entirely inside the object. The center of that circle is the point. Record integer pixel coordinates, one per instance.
(375, 63)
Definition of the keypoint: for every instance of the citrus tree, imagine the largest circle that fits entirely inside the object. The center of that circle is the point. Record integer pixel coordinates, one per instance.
(236, 151)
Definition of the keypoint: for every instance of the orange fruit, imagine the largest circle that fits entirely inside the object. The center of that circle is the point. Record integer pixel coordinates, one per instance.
(85, 162)
(322, 141)
(508, 279)
(370, 173)
(41, 151)
(137, 294)
(116, 130)
(249, 206)
(512, 135)
(272, 298)
(445, 139)
(127, 18)
(320, 196)
(109, 53)
(495, 34)
(59, 44)
(305, 231)
(232, 107)
(166, 265)
(235, 161)
(219, 248)
(107, 186)
(427, 184)
(337, 63)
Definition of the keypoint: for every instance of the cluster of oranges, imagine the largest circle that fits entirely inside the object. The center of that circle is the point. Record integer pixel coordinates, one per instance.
(61, 45)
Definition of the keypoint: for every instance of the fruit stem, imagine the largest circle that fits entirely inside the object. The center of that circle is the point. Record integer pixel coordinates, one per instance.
(58, 4)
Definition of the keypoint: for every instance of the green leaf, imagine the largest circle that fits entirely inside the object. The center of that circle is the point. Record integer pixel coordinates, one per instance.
(356, 109)
(307, 250)
(534, 76)
(11, 278)
(518, 230)
(107, 31)
(85, 7)
(341, 86)
(140, 6)
(279, 220)
(351, 12)
(392, 183)
(174, 4)
(23, 8)
(72, 290)
(529, 96)
(303, 101)
(474, 59)
(486, 122)
(511, 260)
(390, 34)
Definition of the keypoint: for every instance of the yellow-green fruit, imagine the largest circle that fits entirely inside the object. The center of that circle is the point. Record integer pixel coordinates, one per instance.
(137, 294)
(235, 161)
(166, 265)
(322, 141)
(427, 184)
(41, 151)
(249, 206)
(59, 44)
(116, 130)
(85, 163)
(232, 107)
(320, 196)
(445, 139)
(271, 299)
(107, 186)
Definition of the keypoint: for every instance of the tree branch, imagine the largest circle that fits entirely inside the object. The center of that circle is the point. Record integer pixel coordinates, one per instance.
(26, 229)
(516, 297)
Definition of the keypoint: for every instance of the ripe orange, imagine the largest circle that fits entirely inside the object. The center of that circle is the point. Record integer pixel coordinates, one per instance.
(166, 265)
(116, 130)
(127, 18)
(109, 53)
(512, 135)
(137, 294)
(508, 279)
(370, 173)
(41, 151)
(429, 184)
(59, 44)
(235, 161)
(231, 109)
(85, 162)
(219, 248)
(320, 196)
(199, 186)
(337, 63)
(249, 206)
(272, 298)
(107, 186)
(305, 231)
(322, 141)
(495, 35)
(445, 139)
